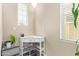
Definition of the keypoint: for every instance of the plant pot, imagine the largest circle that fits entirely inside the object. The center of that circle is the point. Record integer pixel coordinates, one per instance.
(8, 45)
(13, 44)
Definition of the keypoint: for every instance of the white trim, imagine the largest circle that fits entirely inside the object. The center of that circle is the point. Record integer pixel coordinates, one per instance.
(61, 22)
(0, 27)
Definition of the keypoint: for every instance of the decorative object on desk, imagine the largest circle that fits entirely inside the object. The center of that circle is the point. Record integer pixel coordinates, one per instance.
(77, 48)
(75, 13)
(22, 35)
(13, 38)
(6, 44)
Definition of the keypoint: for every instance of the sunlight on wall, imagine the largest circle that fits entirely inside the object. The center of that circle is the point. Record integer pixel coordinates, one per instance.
(22, 14)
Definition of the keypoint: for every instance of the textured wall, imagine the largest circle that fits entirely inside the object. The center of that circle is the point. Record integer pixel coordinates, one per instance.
(10, 21)
(48, 24)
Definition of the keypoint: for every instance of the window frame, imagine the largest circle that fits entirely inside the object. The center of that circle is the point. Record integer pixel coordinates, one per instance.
(22, 14)
(62, 37)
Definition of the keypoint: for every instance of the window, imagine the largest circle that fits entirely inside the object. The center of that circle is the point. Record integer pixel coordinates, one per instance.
(67, 29)
(22, 14)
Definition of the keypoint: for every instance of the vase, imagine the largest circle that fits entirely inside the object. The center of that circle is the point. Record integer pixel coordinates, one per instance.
(8, 45)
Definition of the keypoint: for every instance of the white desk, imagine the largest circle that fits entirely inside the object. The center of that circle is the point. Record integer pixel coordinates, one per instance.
(33, 42)
(13, 51)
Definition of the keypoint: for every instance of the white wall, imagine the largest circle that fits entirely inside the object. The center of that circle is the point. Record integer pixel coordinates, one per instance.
(48, 24)
(10, 21)
(0, 27)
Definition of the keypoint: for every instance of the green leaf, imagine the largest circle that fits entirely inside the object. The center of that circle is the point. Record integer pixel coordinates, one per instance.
(73, 8)
(75, 14)
(12, 38)
(77, 54)
(77, 48)
(75, 22)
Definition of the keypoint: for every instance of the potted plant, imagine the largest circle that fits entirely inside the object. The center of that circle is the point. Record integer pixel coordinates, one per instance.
(13, 39)
(75, 13)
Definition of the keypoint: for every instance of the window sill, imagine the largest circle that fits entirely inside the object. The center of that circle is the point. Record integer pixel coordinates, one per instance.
(70, 41)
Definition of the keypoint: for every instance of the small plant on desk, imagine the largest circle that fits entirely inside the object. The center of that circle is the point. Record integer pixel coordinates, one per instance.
(13, 38)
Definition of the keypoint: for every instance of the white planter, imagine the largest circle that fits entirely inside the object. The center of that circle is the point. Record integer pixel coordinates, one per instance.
(8, 45)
